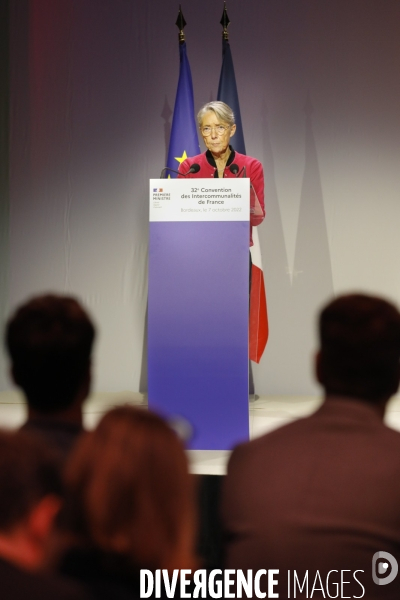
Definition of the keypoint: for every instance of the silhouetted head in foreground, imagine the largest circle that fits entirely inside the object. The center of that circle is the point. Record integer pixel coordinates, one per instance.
(49, 340)
(129, 491)
(359, 348)
(30, 498)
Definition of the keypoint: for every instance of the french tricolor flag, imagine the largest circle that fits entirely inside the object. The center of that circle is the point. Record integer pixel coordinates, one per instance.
(258, 318)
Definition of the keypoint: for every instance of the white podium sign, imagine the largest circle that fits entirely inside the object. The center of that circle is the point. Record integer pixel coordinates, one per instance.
(199, 199)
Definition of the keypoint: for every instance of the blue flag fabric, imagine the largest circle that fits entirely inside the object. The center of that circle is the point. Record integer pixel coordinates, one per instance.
(184, 141)
(227, 92)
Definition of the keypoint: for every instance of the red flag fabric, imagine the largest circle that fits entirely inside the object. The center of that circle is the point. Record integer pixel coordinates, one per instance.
(258, 315)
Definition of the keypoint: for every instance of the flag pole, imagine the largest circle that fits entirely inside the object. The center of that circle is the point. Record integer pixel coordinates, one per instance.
(225, 22)
(180, 23)
(183, 141)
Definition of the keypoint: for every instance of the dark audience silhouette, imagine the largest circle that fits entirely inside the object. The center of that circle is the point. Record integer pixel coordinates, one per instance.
(30, 498)
(49, 340)
(129, 504)
(322, 494)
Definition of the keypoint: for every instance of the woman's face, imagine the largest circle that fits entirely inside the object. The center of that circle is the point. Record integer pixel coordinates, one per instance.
(217, 142)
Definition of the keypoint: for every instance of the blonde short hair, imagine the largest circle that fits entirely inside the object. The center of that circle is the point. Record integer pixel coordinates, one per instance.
(222, 110)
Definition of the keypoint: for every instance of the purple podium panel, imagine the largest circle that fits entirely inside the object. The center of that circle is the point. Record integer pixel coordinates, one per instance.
(198, 314)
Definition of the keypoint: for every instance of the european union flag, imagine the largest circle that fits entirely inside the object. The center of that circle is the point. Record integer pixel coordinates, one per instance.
(184, 141)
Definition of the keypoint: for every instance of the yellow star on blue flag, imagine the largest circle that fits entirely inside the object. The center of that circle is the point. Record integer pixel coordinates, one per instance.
(184, 128)
(180, 159)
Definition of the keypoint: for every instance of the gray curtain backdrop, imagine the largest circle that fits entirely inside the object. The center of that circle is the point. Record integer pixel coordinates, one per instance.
(92, 88)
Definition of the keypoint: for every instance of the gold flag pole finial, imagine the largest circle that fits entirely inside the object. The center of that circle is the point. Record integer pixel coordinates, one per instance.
(180, 23)
(225, 22)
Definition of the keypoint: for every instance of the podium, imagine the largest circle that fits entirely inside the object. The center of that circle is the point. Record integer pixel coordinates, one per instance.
(199, 307)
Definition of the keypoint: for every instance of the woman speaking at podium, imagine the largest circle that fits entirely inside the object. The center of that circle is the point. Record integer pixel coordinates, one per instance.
(217, 125)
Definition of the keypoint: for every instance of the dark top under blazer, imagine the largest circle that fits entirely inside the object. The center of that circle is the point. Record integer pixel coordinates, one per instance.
(208, 169)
